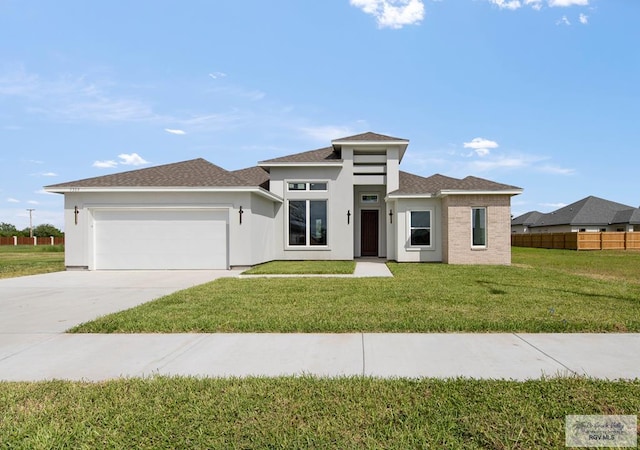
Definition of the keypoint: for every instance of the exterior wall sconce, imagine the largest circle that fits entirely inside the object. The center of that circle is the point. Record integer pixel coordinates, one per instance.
(391, 216)
(348, 216)
(76, 211)
(240, 212)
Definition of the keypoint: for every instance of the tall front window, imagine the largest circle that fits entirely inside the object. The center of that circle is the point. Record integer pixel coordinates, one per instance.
(307, 222)
(420, 228)
(479, 227)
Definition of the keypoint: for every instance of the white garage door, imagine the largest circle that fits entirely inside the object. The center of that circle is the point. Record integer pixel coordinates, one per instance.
(160, 239)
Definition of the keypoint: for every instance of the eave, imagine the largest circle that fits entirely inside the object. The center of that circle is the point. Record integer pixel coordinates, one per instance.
(164, 189)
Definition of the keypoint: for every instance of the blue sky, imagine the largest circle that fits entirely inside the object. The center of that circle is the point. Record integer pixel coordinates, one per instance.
(542, 94)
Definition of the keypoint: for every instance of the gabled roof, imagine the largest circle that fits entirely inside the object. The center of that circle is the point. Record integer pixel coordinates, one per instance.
(326, 154)
(438, 184)
(590, 210)
(528, 218)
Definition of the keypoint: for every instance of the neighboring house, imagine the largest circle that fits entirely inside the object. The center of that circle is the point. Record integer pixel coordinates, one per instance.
(589, 214)
(341, 202)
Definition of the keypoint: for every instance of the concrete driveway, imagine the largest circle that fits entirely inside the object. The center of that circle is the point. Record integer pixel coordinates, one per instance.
(54, 302)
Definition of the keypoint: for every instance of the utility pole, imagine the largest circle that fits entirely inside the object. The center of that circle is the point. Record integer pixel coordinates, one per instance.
(31, 210)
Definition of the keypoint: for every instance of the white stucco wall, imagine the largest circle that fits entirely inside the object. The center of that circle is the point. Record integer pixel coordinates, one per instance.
(339, 196)
(404, 251)
(249, 243)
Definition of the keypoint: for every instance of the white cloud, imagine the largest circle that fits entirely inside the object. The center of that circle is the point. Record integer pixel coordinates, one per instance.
(13, 200)
(584, 19)
(565, 3)
(563, 21)
(481, 146)
(49, 174)
(33, 202)
(392, 13)
(535, 4)
(174, 131)
(216, 75)
(105, 164)
(553, 205)
(132, 159)
(507, 4)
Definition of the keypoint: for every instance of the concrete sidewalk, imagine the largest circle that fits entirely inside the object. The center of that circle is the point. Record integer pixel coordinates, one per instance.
(97, 357)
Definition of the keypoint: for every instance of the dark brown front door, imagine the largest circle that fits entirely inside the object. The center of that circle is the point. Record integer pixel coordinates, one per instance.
(369, 232)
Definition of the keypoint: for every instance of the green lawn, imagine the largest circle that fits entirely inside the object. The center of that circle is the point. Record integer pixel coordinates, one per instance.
(544, 291)
(303, 268)
(303, 412)
(21, 260)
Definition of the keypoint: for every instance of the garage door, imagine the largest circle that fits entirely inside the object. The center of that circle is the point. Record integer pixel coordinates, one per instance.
(160, 239)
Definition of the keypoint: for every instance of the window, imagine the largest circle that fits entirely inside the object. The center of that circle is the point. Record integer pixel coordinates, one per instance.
(307, 222)
(420, 228)
(479, 227)
(369, 198)
(318, 186)
(302, 186)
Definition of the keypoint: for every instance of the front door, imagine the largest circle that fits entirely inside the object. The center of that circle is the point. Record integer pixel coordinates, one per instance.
(369, 232)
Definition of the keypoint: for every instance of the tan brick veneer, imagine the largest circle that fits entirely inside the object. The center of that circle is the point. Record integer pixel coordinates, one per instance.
(456, 233)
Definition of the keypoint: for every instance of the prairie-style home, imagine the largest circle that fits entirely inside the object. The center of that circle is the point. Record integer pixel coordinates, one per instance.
(344, 201)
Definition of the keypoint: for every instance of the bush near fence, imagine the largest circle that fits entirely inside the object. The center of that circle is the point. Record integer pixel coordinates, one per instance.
(584, 240)
(21, 240)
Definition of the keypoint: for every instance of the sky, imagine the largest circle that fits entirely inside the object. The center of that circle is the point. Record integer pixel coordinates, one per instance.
(540, 94)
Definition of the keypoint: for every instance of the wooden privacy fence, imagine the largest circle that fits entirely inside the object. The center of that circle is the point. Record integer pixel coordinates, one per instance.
(18, 240)
(584, 240)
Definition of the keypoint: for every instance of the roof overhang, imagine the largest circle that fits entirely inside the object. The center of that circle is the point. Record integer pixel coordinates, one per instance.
(337, 163)
(158, 189)
(445, 193)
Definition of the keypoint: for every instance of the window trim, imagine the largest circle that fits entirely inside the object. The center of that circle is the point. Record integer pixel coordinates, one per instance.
(486, 237)
(307, 245)
(431, 227)
(307, 186)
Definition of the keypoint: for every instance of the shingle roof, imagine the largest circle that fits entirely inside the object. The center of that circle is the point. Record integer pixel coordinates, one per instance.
(255, 176)
(193, 173)
(370, 136)
(415, 184)
(590, 211)
(528, 218)
(326, 154)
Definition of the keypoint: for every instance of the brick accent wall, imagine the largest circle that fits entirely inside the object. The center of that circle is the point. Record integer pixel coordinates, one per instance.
(456, 233)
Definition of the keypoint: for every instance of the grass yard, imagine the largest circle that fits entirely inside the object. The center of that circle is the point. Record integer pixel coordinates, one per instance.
(303, 268)
(544, 291)
(21, 260)
(303, 412)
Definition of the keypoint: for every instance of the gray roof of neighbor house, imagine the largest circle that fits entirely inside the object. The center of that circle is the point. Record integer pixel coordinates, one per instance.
(588, 211)
(415, 184)
(527, 219)
(193, 173)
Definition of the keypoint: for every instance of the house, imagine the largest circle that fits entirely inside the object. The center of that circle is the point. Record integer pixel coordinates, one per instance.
(341, 202)
(589, 214)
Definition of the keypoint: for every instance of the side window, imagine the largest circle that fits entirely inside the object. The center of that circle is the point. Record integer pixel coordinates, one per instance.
(479, 227)
(420, 228)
